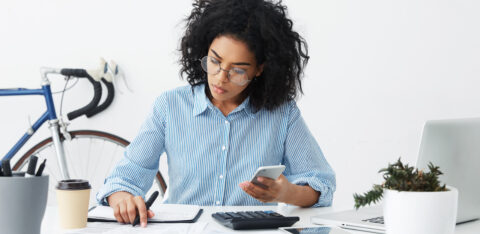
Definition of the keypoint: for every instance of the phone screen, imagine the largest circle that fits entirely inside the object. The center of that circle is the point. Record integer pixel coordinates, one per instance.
(316, 230)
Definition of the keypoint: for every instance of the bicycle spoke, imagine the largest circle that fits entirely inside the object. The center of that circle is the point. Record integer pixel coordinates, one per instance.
(51, 188)
(51, 163)
(68, 157)
(98, 158)
(51, 174)
(88, 158)
(112, 164)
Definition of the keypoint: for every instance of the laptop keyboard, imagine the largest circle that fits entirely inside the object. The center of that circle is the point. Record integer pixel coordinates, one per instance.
(378, 220)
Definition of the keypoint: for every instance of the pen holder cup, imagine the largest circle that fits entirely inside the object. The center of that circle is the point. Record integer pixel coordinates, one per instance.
(22, 203)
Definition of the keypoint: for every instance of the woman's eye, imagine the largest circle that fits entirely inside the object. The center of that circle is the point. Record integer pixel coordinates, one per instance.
(213, 60)
(239, 71)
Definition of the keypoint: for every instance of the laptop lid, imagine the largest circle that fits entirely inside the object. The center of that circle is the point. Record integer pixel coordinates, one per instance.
(454, 146)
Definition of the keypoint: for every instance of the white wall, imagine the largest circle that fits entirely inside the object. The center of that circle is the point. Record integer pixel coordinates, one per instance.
(378, 69)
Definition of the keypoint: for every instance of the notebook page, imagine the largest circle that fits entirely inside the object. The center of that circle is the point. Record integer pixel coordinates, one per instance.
(163, 212)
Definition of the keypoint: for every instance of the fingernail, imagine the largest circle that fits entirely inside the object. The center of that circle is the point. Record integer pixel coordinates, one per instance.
(260, 179)
(144, 224)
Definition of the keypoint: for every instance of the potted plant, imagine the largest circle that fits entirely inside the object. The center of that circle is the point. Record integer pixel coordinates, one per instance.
(414, 200)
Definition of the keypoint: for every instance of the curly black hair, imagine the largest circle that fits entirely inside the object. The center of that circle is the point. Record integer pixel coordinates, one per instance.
(267, 31)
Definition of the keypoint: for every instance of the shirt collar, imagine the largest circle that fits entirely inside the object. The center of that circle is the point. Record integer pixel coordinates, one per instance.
(201, 102)
(200, 99)
(245, 106)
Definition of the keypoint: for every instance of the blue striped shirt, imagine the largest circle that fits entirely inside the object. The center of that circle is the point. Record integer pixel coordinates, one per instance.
(210, 154)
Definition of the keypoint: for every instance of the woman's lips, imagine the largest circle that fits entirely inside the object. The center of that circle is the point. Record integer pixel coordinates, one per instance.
(218, 90)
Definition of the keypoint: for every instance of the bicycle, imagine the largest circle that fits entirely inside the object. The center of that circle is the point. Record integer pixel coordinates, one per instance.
(69, 146)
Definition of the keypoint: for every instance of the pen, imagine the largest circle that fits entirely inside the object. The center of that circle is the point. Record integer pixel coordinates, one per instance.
(7, 170)
(147, 204)
(40, 168)
(32, 164)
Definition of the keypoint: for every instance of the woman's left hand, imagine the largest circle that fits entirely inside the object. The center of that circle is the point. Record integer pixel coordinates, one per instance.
(275, 191)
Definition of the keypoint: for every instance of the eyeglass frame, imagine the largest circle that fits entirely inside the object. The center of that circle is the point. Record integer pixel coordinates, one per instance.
(245, 81)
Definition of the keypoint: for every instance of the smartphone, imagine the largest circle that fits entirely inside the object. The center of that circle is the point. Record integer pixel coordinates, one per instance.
(314, 230)
(272, 172)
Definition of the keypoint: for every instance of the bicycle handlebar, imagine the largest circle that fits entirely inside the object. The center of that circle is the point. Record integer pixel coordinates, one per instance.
(97, 91)
(106, 103)
(92, 108)
(80, 73)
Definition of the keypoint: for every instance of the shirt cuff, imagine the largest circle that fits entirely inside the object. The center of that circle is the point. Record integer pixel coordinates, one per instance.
(325, 188)
(111, 187)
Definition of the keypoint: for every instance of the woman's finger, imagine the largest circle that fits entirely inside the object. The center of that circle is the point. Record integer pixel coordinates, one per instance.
(266, 181)
(150, 213)
(259, 191)
(142, 210)
(117, 214)
(131, 210)
(123, 211)
(251, 193)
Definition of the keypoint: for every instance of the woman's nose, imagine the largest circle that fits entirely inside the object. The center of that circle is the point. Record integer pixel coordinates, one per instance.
(223, 75)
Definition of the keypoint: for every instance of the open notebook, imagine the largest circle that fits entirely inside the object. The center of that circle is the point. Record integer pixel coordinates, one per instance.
(164, 213)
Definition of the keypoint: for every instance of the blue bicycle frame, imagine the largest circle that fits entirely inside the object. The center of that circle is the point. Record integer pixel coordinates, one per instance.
(50, 114)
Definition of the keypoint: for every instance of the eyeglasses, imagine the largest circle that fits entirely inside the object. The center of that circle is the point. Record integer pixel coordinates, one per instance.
(235, 75)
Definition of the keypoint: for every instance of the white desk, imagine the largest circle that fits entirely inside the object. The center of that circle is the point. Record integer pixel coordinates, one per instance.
(50, 221)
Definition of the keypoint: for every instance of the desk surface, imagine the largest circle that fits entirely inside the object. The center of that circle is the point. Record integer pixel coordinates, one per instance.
(50, 221)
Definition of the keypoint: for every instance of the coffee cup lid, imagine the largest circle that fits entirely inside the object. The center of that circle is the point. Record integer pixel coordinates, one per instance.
(73, 184)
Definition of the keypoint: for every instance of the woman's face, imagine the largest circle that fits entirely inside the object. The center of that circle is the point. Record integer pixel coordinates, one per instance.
(230, 54)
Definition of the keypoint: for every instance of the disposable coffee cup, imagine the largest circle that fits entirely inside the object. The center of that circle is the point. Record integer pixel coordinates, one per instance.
(73, 197)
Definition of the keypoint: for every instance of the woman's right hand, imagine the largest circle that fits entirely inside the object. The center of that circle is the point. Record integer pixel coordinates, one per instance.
(125, 207)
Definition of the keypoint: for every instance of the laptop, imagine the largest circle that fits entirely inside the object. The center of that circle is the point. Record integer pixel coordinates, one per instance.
(454, 146)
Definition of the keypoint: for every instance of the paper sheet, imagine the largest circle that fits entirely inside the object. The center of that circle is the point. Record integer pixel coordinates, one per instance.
(152, 228)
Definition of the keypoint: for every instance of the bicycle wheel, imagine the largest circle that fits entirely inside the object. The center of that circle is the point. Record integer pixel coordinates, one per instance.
(90, 155)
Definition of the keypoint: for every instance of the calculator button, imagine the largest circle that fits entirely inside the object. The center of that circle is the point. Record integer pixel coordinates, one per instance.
(233, 214)
(276, 214)
(224, 216)
(254, 214)
(261, 214)
(246, 215)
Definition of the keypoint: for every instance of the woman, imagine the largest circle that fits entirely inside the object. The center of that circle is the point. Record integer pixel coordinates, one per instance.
(243, 62)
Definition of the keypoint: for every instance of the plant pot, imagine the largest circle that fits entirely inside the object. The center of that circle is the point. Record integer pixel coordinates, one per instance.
(420, 212)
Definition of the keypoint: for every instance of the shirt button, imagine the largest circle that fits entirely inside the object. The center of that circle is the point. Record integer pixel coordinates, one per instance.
(218, 202)
(226, 122)
(223, 148)
(221, 176)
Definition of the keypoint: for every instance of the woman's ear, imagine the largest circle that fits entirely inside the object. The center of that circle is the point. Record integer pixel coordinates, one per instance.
(259, 70)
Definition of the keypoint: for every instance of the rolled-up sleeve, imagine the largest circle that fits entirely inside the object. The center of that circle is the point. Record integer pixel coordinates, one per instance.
(135, 172)
(304, 160)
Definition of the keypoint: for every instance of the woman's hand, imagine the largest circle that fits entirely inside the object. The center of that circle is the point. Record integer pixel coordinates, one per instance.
(281, 190)
(274, 191)
(126, 206)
